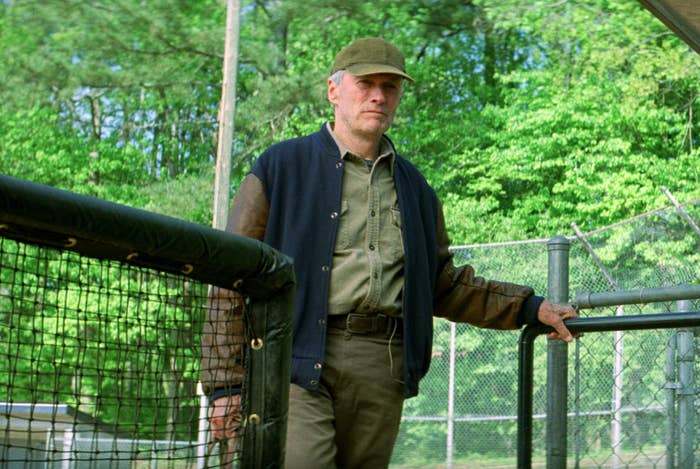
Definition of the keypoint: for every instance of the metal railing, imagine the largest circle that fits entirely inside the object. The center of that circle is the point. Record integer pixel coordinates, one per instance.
(557, 366)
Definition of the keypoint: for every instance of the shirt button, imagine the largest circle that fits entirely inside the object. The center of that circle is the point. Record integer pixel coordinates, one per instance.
(317, 366)
(334, 215)
(372, 212)
(371, 247)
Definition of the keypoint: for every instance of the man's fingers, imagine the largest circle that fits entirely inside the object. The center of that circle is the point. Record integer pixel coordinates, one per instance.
(562, 333)
(554, 315)
(225, 417)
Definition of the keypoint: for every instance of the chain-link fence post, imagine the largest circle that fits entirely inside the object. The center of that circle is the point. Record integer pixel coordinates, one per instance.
(451, 396)
(686, 391)
(670, 400)
(557, 356)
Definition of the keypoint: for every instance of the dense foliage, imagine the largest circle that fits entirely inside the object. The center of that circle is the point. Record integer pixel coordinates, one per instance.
(526, 116)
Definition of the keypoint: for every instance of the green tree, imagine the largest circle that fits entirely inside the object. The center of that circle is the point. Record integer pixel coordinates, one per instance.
(588, 132)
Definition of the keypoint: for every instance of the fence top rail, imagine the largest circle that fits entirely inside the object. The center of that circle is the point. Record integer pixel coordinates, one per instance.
(642, 296)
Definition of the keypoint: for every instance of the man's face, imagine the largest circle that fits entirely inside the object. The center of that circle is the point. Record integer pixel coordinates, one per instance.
(365, 105)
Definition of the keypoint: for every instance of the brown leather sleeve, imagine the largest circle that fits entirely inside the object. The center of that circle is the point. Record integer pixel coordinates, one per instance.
(248, 215)
(461, 296)
(224, 335)
(223, 338)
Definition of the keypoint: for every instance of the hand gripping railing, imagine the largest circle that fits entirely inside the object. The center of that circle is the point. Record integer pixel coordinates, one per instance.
(584, 325)
(578, 325)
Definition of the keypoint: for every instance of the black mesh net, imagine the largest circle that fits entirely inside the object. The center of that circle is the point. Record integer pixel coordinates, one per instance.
(103, 309)
(99, 362)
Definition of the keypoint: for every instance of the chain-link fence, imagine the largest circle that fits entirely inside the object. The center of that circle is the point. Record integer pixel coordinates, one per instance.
(628, 406)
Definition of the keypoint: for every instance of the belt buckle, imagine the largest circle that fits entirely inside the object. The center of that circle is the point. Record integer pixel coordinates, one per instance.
(369, 323)
(348, 324)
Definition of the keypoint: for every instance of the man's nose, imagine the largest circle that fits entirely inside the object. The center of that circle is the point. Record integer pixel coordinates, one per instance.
(377, 94)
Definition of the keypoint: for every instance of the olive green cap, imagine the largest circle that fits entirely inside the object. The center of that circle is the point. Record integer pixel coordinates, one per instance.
(371, 55)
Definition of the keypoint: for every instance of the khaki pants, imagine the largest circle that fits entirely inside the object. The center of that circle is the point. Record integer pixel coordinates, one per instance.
(352, 421)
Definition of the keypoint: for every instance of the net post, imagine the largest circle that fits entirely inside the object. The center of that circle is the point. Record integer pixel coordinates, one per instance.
(269, 369)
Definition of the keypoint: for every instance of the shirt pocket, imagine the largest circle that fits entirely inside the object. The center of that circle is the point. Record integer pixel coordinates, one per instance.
(344, 237)
(396, 234)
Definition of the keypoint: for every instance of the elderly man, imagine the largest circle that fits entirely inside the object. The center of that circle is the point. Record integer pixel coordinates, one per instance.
(367, 235)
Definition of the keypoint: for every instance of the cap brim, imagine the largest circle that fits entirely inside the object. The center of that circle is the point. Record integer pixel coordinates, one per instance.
(369, 69)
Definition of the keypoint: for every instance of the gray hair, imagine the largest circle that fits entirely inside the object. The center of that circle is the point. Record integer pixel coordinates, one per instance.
(337, 77)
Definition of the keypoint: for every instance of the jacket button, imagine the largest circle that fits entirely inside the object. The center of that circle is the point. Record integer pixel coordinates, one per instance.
(339, 165)
(334, 215)
(324, 268)
(313, 382)
(321, 322)
(317, 366)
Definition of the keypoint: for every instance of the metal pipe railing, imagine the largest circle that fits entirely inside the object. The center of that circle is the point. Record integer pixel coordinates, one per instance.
(634, 297)
(584, 325)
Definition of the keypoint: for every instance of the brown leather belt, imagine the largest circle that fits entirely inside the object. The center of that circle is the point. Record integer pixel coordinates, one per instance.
(366, 323)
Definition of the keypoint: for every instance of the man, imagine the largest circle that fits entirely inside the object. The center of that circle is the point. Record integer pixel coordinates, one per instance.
(367, 235)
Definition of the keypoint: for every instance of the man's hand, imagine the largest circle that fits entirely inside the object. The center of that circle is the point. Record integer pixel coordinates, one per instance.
(554, 315)
(225, 417)
(224, 422)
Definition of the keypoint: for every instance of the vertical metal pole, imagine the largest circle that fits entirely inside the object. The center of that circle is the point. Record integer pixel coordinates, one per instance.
(670, 399)
(451, 396)
(578, 440)
(203, 428)
(618, 362)
(618, 383)
(525, 380)
(67, 452)
(49, 447)
(557, 357)
(686, 392)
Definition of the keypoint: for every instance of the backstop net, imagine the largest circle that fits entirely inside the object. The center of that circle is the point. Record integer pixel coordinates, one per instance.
(102, 312)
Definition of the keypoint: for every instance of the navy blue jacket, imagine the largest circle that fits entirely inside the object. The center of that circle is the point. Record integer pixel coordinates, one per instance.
(302, 179)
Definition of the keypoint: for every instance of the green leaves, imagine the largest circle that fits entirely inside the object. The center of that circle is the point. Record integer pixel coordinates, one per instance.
(586, 133)
(528, 116)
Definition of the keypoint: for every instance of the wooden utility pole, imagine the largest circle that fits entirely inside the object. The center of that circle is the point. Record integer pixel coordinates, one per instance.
(222, 180)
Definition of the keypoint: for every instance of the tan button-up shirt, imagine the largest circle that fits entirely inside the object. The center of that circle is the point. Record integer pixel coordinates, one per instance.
(367, 274)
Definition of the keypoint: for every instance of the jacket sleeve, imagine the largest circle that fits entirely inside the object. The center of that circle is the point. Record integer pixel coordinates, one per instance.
(223, 336)
(461, 296)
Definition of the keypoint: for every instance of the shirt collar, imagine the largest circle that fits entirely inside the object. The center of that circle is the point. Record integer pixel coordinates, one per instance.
(386, 150)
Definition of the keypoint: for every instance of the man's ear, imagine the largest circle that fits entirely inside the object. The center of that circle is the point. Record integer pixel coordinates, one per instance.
(332, 91)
